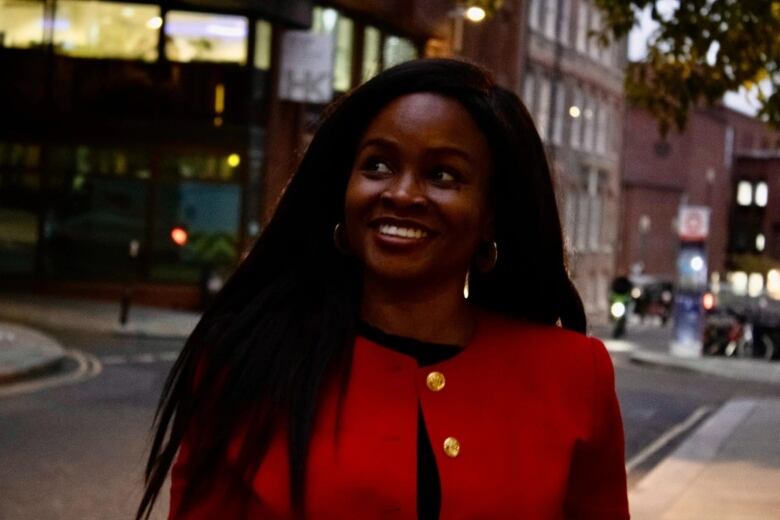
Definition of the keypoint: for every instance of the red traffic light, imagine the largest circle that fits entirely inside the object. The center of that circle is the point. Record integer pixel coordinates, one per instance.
(179, 235)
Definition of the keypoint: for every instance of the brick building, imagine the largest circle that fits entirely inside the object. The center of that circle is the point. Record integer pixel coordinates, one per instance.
(720, 153)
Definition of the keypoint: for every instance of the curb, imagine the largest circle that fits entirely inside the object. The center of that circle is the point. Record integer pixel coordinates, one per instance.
(759, 371)
(27, 353)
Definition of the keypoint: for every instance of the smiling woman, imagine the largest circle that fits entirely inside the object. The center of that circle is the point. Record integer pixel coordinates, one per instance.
(341, 373)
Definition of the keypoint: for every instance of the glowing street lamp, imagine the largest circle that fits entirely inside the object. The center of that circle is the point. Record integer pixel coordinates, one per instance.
(475, 14)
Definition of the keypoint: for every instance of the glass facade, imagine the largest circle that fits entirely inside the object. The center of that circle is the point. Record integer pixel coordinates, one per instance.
(205, 37)
(19, 201)
(143, 121)
(21, 23)
(92, 29)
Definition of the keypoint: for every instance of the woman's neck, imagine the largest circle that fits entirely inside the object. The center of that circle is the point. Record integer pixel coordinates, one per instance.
(433, 315)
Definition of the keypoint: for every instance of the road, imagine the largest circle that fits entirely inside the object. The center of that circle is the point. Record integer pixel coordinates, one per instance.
(77, 451)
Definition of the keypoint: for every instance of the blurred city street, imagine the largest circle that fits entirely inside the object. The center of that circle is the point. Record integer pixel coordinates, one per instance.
(75, 448)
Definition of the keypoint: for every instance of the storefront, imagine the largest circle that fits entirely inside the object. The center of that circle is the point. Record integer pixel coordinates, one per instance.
(141, 142)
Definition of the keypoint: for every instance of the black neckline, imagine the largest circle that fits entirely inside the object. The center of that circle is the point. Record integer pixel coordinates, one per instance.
(426, 353)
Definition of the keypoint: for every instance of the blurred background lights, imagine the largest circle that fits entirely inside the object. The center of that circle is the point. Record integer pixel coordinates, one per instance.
(475, 14)
(697, 263)
(233, 160)
(154, 23)
(179, 235)
(760, 242)
(574, 111)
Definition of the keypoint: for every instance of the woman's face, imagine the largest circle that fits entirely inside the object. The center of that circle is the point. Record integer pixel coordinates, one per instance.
(416, 206)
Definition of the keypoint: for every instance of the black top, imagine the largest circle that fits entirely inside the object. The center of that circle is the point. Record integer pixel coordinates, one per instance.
(428, 484)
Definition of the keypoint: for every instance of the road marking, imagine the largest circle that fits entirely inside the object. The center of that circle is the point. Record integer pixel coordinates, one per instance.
(144, 358)
(619, 345)
(667, 437)
(87, 367)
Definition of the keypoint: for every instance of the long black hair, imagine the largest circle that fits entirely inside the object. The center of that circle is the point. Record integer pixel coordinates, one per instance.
(286, 318)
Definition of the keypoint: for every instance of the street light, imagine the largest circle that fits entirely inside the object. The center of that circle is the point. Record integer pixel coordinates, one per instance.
(475, 13)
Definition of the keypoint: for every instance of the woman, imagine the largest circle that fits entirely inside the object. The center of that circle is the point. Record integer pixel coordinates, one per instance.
(341, 373)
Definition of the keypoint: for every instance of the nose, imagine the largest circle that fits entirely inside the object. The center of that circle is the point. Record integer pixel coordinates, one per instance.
(406, 189)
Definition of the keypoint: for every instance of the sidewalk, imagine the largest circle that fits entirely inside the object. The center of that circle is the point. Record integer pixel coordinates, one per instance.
(26, 352)
(729, 468)
(95, 316)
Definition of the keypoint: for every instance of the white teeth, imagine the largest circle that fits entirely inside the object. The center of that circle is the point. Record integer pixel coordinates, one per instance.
(405, 232)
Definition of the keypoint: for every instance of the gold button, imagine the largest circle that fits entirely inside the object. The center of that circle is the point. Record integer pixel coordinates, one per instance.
(435, 381)
(451, 446)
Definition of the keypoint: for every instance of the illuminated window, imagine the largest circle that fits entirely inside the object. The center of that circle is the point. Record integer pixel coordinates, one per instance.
(755, 284)
(739, 282)
(744, 193)
(371, 44)
(773, 284)
(205, 37)
(398, 50)
(21, 23)
(762, 194)
(107, 30)
(263, 45)
(330, 21)
(760, 242)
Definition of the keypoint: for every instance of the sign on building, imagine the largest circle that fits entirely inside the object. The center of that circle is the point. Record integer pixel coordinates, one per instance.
(694, 223)
(306, 69)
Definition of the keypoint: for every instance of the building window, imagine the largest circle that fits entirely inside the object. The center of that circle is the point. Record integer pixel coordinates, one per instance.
(565, 22)
(371, 58)
(559, 114)
(762, 194)
(263, 31)
(21, 23)
(744, 193)
(575, 112)
(205, 37)
(329, 21)
(595, 189)
(589, 116)
(107, 30)
(550, 11)
(581, 41)
(528, 91)
(398, 50)
(20, 198)
(601, 128)
(533, 14)
(543, 106)
(760, 242)
(755, 284)
(594, 49)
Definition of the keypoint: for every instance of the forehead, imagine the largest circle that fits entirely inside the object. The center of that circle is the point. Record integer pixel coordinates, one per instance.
(430, 118)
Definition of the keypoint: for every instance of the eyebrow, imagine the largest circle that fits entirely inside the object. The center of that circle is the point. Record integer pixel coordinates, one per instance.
(383, 142)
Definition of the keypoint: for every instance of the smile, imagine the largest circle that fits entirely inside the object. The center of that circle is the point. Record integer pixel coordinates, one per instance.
(403, 232)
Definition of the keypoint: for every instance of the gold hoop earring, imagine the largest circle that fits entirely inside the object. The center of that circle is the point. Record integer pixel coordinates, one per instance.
(466, 285)
(338, 239)
(487, 262)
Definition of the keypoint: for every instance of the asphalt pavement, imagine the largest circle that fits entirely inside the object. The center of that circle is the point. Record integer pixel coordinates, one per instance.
(727, 466)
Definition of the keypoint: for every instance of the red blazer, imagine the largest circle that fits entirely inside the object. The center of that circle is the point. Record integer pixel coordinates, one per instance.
(532, 408)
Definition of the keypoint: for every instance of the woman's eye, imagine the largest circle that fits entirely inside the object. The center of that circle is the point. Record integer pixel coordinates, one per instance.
(443, 176)
(378, 167)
